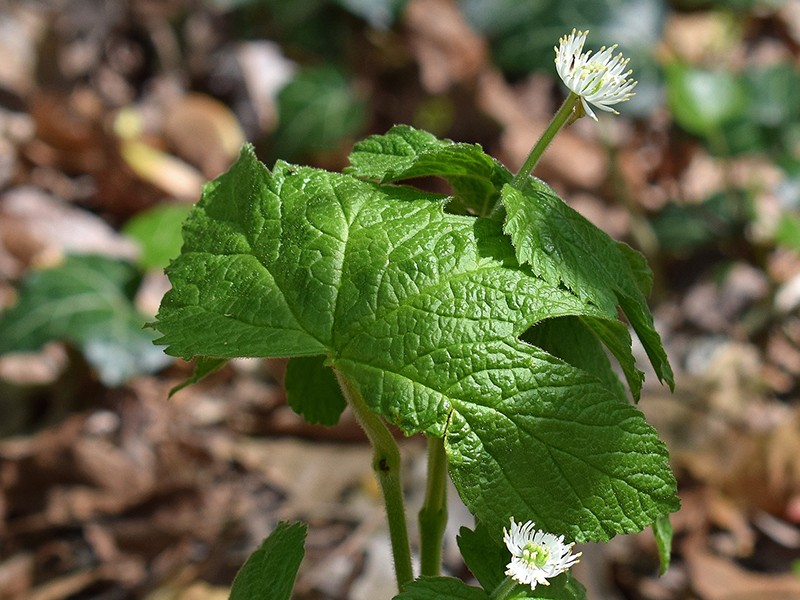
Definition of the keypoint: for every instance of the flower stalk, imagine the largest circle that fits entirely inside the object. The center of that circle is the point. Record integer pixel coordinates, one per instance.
(386, 464)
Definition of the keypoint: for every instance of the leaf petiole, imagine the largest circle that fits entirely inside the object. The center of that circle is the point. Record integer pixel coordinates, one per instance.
(433, 515)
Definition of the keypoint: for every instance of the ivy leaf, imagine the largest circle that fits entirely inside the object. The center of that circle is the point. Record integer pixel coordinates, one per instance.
(404, 153)
(87, 301)
(422, 311)
(270, 571)
(312, 390)
(563, 247)
(437, 588)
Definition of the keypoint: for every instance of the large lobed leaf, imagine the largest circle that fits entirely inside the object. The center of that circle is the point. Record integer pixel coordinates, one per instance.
(422, 310)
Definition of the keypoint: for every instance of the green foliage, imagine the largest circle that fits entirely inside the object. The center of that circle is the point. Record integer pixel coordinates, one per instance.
(270, 571)
(422, 311)
(316, 110)
(703, 101)
(564, 248)
(312, 390)
(436, 588)
(406, 153)
(662, 529)
(484, 556)
(684, 228)
(788, 231)
(158, 232)
(88, 302)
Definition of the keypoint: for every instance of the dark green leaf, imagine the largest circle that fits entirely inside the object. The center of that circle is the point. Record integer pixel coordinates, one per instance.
(316, 111)
(270, 571)
(158, 232)
(483, 555)
(87, 301)
(312, 390)
(440, 588)
(405, 153)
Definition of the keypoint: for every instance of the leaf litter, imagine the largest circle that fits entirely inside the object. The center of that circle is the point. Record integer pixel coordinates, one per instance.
(117, 492)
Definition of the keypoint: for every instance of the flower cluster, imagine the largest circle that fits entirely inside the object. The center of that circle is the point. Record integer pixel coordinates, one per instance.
(536, 556)
(600, 80)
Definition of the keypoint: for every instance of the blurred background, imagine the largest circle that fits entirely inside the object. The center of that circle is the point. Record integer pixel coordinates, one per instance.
(112, 115)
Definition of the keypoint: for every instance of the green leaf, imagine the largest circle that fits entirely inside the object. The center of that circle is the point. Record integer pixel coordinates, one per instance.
(572, 340)
(422, 311)
(204, 366)
(439, 588)
(484, 556)
(703, 101)
(87, 301)
(312, 390)
(563, 247)
(662, 529)
(316, 111)
(405, 153)
(788, 231)
(158, 232)
(270, 571)
(562, 587)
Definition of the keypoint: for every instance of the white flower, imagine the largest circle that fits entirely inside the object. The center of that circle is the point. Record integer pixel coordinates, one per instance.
(536, 556)
(600, 79)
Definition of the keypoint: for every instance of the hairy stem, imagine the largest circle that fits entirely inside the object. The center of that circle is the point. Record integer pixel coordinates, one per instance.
(386, 464)
(504, 590)
(559, 120)
(433, 515)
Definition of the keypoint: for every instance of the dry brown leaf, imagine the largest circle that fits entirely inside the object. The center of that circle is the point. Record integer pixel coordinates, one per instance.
(204, 132)
(715, 578)
(447, 49)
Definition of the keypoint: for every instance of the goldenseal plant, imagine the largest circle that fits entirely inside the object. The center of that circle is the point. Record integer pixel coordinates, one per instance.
(483, 320)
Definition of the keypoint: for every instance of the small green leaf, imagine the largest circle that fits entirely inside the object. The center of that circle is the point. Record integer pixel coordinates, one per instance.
(788, 231)
(563, 247)
(312, 390)
(204, 366)
(483, 555)
(270, 571)
(158, 232)
(562, 587)
(405, 153)
(662, 529)
(703, 101)
(87, 301)
(316, 111)
(440, 588)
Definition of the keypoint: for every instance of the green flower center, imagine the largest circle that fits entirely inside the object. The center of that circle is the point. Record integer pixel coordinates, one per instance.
(535, 555)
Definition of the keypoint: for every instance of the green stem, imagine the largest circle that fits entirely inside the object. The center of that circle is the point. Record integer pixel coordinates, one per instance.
(386, 464)
(559, 120)
(433, 515)
(504, 590)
